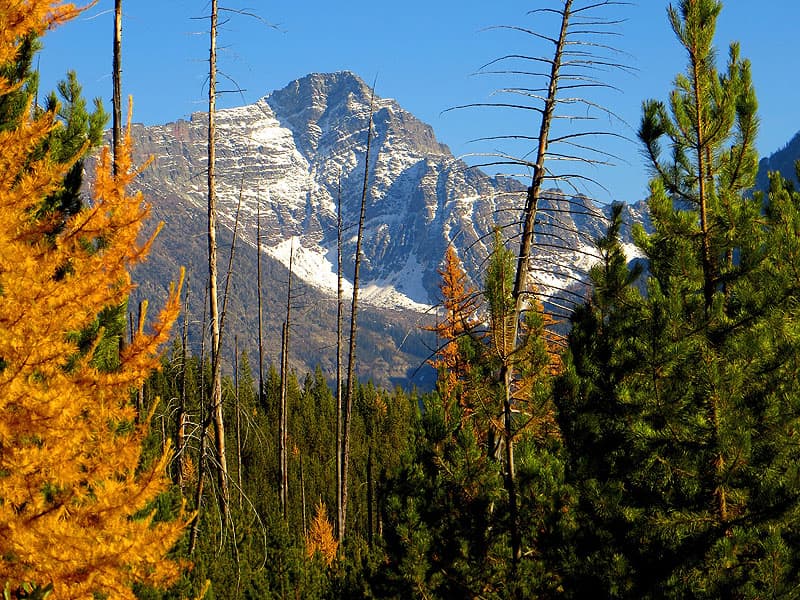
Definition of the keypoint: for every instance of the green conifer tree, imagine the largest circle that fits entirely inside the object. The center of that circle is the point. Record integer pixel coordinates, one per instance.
(80, 133)
(18, 73)
(594, 413)
(680, 406)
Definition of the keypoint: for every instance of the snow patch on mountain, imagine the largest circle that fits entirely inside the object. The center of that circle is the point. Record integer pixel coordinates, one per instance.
(309, 265)
(312, 266)
(402, 289)
(632, 251)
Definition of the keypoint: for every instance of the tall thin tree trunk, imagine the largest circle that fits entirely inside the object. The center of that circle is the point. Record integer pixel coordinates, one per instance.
(521, 276)
(303, 493)
(221, 328)
(509, 478)
(534, 191)
(201, 472)
(140, 391)
(704, 180)
(117, 77)
(351, 357)
(283, 437)
(180, 418)
(260, 307)
(163, 420)
(339, 399)
(238, 418)
(216, 366)
(709, 276)
(370, 498)
(201, 454)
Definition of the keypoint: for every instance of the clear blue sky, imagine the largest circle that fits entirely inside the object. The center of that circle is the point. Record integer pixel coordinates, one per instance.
(423, 53)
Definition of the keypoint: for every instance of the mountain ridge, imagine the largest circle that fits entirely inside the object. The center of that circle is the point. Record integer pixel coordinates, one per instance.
(287, 156)
(782, 161)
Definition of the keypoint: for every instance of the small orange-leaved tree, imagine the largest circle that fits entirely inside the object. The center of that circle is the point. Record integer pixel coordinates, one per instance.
(74, 496)
(460, 303)
(320, 538)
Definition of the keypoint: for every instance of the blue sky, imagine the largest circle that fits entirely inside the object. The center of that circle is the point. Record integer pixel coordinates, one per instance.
(423, 53)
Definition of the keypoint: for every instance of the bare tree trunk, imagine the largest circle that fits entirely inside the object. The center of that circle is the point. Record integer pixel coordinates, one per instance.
(521, 276)
(260, 306)
(703, 163)
(216, 366)
(509, 478)
(163, 432)
(534, 191)
(238, 418)
(303, 494)
(140, 391)
(282, 429)
(283, 437)
(201, 472)
(117, 77)
(370, 498)
(201, 454)
(351, 357)
(339, 399)
(180, 418)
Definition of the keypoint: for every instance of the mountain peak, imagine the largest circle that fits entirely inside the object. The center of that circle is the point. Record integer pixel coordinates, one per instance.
(310, 105)
(286, 161)
(310, 89)
(338, 79)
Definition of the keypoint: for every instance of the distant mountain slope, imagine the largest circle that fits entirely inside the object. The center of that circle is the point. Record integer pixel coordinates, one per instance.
(782, 161)
(291, 153)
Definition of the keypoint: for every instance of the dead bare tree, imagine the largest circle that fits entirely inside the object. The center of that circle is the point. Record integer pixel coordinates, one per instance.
(140, 390)
(351, 356)
(203, 426)
(283, 427)
(117, 78)
(567, 67)
(216, 362)
(260, 305)
(238, 419)
(181, 417)
(339, 399)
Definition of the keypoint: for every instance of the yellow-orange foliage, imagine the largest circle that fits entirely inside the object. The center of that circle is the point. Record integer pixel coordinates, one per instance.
(320, 537)
(69, 451)
(20, 17)
(551, 338)
(536, 370)
(460, 303)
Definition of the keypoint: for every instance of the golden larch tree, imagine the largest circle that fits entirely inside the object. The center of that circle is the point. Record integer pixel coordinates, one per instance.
(459, 306)
(320, 537)
(75, 500)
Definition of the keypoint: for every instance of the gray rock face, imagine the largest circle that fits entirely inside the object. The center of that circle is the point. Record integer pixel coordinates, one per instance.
(292, 154)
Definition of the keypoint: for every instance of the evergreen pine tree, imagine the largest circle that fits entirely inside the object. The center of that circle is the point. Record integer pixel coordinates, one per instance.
(679, 406)
(18, 73)
(80, 133)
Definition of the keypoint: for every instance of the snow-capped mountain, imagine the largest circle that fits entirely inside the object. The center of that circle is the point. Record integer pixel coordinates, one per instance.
(294, 153)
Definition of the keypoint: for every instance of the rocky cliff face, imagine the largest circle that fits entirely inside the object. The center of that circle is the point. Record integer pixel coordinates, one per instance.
(290, 157)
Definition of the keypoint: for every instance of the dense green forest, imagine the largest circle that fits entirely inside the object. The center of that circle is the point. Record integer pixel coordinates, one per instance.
(651, 452)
